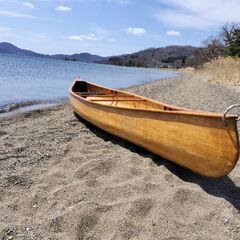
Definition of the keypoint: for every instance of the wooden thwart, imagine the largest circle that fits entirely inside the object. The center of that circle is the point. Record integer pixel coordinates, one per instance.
(115, 100)
(106, 95)
(91, 93)
(101, 94)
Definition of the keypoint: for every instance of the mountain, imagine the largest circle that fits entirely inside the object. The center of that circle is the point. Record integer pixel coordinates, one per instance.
(171, 56)
(82, 57)
(9, 48)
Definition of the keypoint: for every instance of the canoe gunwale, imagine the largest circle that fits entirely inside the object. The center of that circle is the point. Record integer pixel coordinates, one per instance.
(180, 111)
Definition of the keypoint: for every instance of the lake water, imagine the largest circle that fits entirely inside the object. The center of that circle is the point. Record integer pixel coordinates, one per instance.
(27, 80)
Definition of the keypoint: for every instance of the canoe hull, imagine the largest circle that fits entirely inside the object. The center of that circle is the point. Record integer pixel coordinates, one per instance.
(202, 144)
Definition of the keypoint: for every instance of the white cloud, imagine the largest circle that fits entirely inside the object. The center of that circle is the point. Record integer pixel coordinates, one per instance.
(121, 2)
(6, 32)
(173, 33)
(15, 14)
(90, 37)
(182, 20)
(62, 8)
(198, 14)
(29, 5)
(85, 37)
(37, 38)
(136, 31)
(111, 39)
(100, 31)
(4, 29)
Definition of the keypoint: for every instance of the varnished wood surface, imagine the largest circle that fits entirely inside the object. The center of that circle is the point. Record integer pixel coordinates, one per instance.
(196, 140)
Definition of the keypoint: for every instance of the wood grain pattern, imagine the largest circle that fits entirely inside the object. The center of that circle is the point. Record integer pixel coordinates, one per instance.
(194, 139)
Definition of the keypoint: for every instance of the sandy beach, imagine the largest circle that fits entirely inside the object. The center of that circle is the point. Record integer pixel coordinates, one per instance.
(62, 178)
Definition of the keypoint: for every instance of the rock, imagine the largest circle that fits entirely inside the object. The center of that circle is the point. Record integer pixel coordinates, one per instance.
(225, 221)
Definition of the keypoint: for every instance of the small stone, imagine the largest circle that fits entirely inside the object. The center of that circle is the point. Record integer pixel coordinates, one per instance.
(27, 229)
(10, 237)
(225, 221)
(238, 226)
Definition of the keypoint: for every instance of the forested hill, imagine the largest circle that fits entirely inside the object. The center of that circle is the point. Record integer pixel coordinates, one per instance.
(171, 56)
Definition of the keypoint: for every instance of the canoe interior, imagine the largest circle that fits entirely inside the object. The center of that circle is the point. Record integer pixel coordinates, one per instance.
(116, 98)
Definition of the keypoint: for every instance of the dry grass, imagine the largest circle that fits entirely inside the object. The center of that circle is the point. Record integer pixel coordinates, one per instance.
(222, 70)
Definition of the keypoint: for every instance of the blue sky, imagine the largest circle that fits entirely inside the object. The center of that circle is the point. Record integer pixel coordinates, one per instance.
(111, 27)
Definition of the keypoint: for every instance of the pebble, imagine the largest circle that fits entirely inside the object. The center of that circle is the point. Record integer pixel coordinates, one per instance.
(10, 237)
(226, 221)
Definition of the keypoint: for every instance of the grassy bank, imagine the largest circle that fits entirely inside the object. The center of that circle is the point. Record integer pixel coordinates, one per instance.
(222, 70)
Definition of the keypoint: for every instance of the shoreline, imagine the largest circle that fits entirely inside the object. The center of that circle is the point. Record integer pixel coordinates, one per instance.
(28, 108)
(62, 178)
(41, 88)
(31, 105)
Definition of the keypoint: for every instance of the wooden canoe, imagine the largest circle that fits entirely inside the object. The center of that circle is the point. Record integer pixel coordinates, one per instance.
(203, 142)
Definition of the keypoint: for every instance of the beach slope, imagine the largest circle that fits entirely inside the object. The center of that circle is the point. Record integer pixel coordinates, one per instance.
(62, 178)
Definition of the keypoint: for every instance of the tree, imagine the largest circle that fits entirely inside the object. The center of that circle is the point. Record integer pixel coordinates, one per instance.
(213, 48)
(230, 37)
(226, 33)
(226, 43)
(234, 46)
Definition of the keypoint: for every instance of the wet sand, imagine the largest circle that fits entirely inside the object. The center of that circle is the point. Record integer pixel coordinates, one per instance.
(62, 178)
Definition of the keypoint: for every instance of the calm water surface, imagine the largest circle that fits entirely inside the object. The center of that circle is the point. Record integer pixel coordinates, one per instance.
(28, 80)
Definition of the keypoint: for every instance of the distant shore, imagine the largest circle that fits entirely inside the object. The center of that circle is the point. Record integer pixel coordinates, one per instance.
(62, 178)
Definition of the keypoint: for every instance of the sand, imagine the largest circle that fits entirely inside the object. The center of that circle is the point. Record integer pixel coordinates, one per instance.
(62, 178)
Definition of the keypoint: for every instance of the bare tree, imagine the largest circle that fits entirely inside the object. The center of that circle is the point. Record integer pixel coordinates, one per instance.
(213, 48)
(227, 42)
(227, 33)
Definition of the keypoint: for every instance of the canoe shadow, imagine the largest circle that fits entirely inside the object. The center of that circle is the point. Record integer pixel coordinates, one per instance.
(219, 187)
